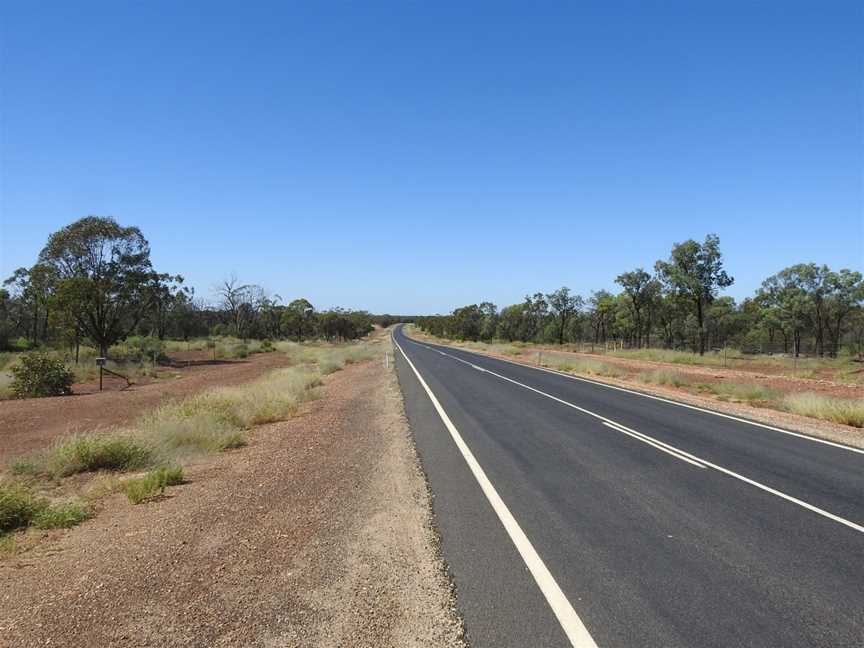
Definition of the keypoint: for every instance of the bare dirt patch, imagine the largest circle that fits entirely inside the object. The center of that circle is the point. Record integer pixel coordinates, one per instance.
(32, 424)
(316, 534)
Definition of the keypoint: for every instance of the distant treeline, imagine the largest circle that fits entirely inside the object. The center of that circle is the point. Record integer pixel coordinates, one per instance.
(93, 283)
(805, 308)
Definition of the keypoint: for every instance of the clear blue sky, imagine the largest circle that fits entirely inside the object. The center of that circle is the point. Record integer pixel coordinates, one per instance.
(416, 156)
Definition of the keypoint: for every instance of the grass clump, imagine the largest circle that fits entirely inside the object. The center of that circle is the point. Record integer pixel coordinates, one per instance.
(663, 377)
(89, 453)
(581, 366)
(215, 420)
(142, 489)
(6, 385)
(18, 506)
(838, 410)
(740, 392)
(62, 516)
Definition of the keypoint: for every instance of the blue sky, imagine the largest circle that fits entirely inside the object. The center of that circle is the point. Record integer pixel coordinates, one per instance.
(412, 157)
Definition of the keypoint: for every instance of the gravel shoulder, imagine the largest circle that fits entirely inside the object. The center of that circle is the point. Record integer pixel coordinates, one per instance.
(318, 533)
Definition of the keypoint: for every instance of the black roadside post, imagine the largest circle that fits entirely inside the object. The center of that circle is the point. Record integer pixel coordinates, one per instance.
(101, 363)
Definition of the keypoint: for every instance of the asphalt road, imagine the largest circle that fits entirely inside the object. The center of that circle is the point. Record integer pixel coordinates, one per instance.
(572, 513)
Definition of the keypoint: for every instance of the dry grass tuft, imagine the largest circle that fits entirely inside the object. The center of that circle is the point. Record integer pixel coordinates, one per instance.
(663, 377)
(142, 489)
(838, 410)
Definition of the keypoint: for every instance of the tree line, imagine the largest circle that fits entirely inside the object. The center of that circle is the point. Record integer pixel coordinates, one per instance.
(94, 283)
(805, 308)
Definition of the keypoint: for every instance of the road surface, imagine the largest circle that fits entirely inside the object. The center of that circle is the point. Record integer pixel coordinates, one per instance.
(577, 514)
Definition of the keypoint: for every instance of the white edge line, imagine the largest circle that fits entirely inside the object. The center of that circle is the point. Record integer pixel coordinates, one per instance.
(652, 443)
(725, 471)
(659, 398)
(570, 622)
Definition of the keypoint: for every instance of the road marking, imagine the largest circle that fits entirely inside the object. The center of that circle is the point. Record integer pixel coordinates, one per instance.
(643, 439)
(657, 398)
(725, 471)
(570, 622)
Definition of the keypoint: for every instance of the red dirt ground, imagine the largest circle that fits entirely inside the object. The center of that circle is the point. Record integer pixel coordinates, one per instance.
(29, 425)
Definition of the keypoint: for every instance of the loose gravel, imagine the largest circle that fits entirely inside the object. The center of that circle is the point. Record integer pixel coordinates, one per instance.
(319, 533)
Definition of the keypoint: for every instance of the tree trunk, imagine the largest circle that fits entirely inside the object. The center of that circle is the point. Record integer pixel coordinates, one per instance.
(701, 320)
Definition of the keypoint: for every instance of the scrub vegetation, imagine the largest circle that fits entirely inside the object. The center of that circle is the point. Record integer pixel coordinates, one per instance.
(677, 314)
(162, 440)
(93, 292)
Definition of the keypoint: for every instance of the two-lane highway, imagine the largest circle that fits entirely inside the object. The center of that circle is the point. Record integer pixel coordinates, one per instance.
(573, 513)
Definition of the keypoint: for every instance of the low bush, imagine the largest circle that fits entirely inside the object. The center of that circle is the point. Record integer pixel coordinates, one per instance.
(138, 348)
(38, 375)
(839, 410)
(144, 488)
(61, 516)
(22, 344)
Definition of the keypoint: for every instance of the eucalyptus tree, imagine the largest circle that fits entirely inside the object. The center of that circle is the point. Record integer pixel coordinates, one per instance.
(695, 272)
(641, 290)
(105, 281)
(563, 306)
(844, 297)
(34, 288)
(298, 318)
(785, 293)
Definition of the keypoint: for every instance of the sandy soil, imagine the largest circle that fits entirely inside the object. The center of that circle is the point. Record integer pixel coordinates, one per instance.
(316, 534)
(29, 425)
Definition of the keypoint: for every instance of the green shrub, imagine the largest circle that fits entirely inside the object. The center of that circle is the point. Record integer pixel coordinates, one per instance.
(141, 489)
(22, 344)
(90, 453)
(266, 347)
(18, 506)
(38, 375)
(61, 516)
(138, 348)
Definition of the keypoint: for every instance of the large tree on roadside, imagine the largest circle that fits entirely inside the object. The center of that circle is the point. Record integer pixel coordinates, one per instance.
(785, 295)
(640, 289)
(844, 296)
(105, 280)
(563, 306)
(298, 318)
(169, 296)
(34, 288)
(695, 272)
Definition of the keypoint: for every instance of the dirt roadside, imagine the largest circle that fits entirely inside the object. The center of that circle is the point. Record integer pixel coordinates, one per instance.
(32, 424)
(316, 534)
